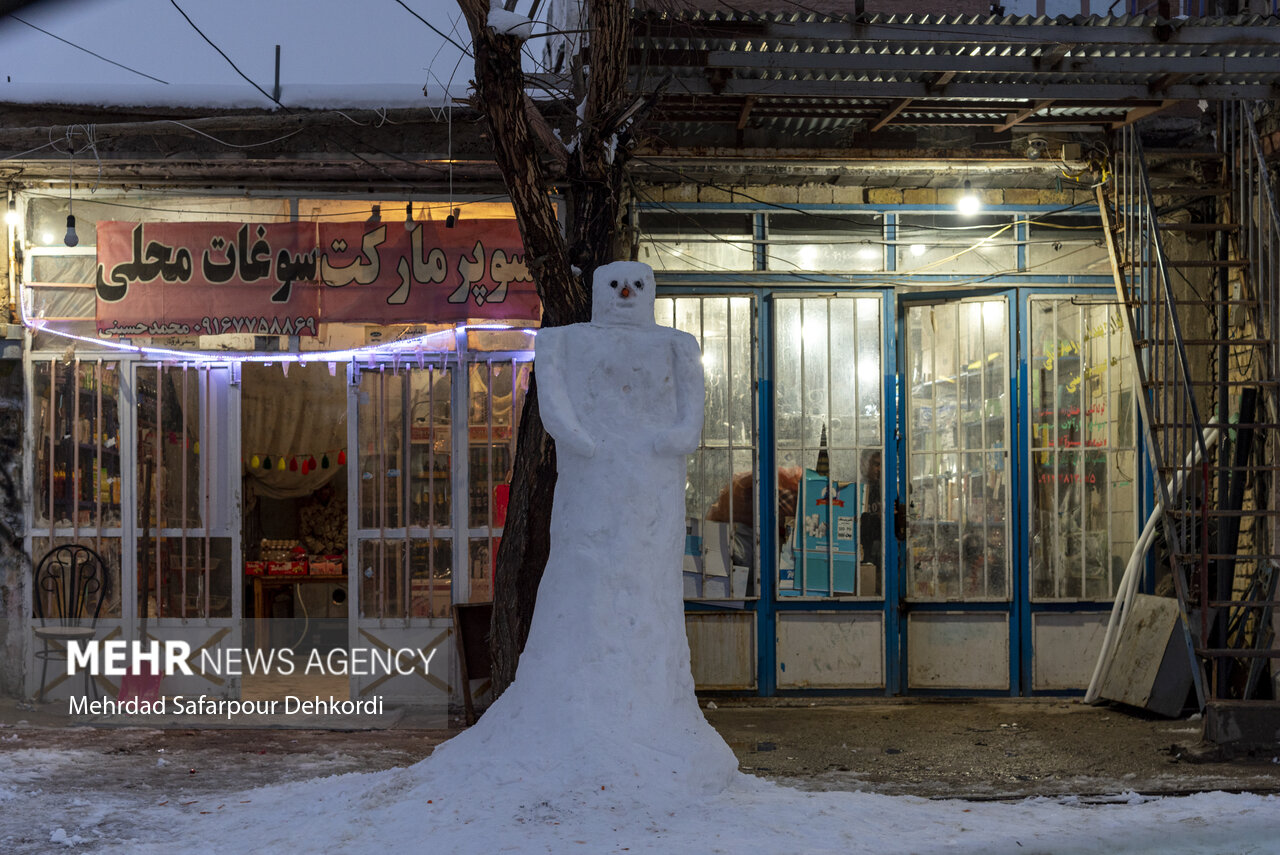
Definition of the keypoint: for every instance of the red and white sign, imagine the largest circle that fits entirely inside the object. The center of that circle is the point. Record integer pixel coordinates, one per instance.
(287, 278)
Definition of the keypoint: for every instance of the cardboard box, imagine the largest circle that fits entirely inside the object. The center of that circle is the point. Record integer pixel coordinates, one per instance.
(255, 568)
(287, 568)
(325, 565)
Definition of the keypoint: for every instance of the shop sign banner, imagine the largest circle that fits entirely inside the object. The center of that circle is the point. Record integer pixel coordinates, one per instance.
(388, 275)
(286, 278)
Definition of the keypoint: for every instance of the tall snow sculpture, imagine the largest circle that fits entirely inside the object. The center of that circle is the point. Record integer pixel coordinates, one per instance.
(603, 695)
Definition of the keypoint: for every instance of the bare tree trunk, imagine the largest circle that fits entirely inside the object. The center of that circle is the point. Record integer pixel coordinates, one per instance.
(594, 175)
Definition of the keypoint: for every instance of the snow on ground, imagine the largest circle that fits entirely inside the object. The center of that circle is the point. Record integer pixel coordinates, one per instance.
(415, 810)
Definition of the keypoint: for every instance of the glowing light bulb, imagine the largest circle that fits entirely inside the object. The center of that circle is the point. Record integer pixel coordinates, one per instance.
(918, 249)
(968, 204)
(11, 216)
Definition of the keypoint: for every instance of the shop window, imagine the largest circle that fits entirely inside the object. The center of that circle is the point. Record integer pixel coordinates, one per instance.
(828, 416)
(76, 439)
(405, 508)
(688, 241)
(406, 578)
(804, 242)
(958, 424)
(497, 393)
(951, 243)
(1083, 456)
(1070, 245)
(721, 546)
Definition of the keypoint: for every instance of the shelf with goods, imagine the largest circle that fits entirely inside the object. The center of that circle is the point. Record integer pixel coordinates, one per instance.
(430, 477)
(489, 461)
(77, 446)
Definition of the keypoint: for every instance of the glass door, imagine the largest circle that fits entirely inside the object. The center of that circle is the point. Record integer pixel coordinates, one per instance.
(184, 576)
(400, 439)
(958, 564)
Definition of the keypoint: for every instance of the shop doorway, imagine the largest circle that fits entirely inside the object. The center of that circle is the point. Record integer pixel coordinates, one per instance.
(959, 565)
(293, 437)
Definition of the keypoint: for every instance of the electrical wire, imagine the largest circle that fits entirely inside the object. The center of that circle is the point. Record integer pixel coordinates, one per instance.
(240, 145)
(222, 53)
(86, 50)
(436, 29)
(277, 102)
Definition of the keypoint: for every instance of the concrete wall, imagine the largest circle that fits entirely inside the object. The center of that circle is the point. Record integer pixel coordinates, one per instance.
(13, 558)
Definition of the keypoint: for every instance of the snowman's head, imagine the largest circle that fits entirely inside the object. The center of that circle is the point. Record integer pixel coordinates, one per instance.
(622, 293)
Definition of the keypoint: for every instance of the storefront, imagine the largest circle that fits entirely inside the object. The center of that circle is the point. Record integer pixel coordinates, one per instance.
(945, 416)
(276, 465)
(950, 407)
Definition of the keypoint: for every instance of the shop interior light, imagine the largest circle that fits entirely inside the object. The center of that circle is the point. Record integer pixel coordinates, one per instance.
(969, 203)
(11, 216)
(918, 249)
(71, 238)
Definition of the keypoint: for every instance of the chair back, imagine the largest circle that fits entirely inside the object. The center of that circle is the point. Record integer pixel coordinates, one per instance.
(71, 584)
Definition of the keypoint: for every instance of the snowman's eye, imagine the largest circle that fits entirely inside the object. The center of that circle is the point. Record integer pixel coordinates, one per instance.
(639, 284)
(613, 284)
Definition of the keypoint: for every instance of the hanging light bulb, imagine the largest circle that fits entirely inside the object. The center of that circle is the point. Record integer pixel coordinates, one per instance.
(452, 220)
(969, 203)
(11, 216)
(71, 238)
(408, 217)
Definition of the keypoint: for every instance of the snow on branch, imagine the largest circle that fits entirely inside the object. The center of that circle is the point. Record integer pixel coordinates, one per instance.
(508, 23)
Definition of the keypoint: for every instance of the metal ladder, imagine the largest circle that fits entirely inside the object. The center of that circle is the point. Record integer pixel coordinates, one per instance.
(1196, 258)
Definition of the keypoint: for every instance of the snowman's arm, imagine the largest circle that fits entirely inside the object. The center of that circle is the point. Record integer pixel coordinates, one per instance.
(690, 390)
(554, 404)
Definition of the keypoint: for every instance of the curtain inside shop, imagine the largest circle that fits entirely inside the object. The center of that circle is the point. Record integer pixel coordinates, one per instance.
(296, 418)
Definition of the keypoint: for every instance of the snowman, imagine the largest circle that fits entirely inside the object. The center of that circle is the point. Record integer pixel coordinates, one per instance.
(607, 658)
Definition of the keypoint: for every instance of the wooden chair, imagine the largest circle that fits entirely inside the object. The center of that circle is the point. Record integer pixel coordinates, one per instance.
(71, 584)
(471, 634)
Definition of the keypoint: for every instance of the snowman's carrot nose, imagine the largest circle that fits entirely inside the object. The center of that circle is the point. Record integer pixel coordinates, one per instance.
(626, 292)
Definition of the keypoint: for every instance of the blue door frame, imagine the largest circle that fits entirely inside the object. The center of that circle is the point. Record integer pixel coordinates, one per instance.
(768, 606)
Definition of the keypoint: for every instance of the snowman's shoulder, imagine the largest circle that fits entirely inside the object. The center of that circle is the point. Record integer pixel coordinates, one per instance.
(680, 341)
(550, 338)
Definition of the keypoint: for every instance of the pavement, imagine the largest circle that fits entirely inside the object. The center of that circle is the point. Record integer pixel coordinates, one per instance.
(975, 749)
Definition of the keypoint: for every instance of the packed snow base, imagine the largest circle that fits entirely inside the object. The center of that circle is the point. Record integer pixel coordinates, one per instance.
(599, 746)
(415, 811)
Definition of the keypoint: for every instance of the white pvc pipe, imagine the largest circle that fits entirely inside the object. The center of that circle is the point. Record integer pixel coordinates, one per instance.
(1132, 573)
